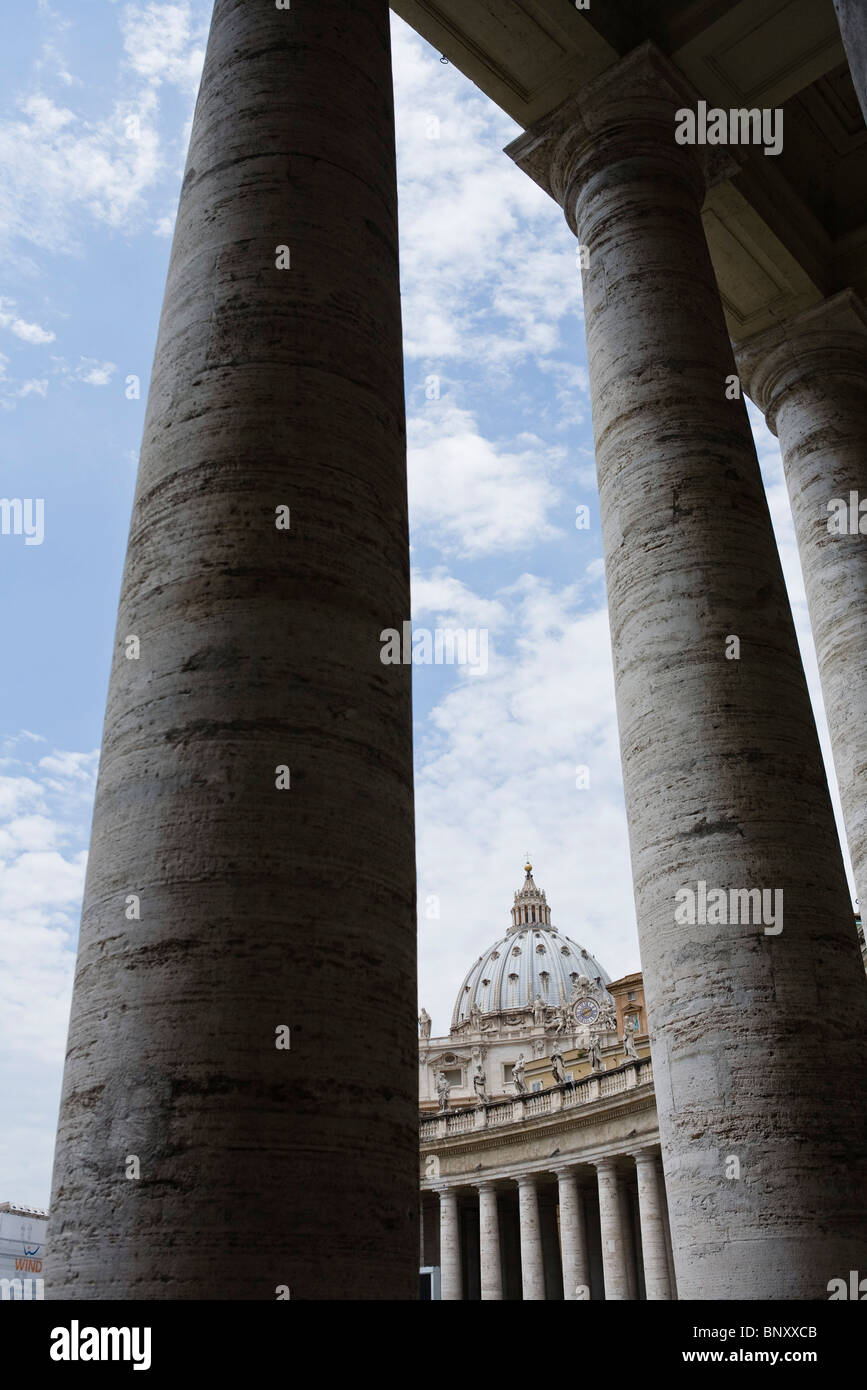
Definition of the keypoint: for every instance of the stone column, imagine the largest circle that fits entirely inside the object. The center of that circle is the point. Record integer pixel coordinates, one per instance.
(724, 783)
(852, 18)
(809, 377)
(573, 1237)
(656, 1282)
(451, 1274)
(532, 1267)
(489, 1244)
(243, 1019)
(629, 1253)
(421, 1234)
(614, 1268)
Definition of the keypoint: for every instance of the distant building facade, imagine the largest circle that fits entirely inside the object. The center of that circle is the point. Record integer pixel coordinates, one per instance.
(22, 1251)
(540, 1167)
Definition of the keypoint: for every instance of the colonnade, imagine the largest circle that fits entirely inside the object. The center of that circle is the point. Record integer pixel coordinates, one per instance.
(724, 782)
(594, 1230)
(277, 390)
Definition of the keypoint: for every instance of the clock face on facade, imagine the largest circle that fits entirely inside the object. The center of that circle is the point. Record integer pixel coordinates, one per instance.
(586, 1011)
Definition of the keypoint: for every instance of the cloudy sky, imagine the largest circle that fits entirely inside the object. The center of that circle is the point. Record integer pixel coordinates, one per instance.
(94, 120)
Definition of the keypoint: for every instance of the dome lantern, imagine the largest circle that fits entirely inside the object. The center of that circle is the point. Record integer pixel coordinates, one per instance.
(530, 907)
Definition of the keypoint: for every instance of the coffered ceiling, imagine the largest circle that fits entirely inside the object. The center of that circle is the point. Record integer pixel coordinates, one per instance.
(785, 230)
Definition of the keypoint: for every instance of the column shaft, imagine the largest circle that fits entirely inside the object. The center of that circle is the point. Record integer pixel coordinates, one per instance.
(809, 376)
(532, 1267)
(656, 1281)
(268, 550)
(724, 783)
(613, 1245)
(573, 1239)
(852, 18)
(489, 1245)
(451, 1270)
(629, 1255)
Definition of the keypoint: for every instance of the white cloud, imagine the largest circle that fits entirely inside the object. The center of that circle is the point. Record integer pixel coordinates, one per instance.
(488, 266)
(165, 43)
(95, 373)
(79, 767)
(27, 332)
(44, 819)
(89, 370)
(58, 166)
(497, 777)
(447, 602)
(470, 497)
(63, 169)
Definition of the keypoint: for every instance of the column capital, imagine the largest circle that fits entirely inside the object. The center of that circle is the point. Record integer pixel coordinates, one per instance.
(607, 1164)
(485, 1185)
(526, 1179)
(831, 335)
(627, 112)
(444, 1190)
(645, 1155)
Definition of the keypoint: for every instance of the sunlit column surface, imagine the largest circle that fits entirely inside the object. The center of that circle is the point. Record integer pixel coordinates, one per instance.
(255, 789)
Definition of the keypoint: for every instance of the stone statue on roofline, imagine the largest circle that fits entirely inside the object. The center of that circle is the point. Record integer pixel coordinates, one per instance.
(479, 1087)
(518, 1075)
(443, 1089)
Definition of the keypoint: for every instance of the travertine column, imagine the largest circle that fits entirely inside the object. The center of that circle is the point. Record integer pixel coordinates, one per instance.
(629, 1252)
(489, 1244)
(723, 776)
(573, 1237)
(532, 1266)
(852, 18)
(614, 1268)
(809, 376)
(656, 1284)
(243, 1019)
(451, 1274)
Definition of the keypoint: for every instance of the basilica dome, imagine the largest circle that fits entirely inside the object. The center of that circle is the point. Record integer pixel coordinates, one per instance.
(531, 959)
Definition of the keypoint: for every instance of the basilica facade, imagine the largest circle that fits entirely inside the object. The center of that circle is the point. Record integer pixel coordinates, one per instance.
(540, 1161)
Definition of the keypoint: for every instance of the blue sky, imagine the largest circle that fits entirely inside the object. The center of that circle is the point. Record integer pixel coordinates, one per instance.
(94, 120)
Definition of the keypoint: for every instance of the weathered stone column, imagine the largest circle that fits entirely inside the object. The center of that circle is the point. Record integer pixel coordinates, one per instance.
(451, 1269)
(489, 1243)
(573, 1237)
(656, 1284)
(852, 18)
(239, 1109)
(614, 1269)
(629, 1252)
(809, 377)
(532, 1267)
(724, 783)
